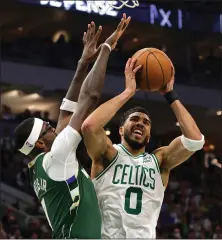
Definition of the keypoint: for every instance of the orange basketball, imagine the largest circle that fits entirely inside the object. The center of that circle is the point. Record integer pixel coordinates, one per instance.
(156, 69)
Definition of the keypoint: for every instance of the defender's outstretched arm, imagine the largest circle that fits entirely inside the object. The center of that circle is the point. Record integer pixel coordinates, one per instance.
(90, 52)
(93, 85)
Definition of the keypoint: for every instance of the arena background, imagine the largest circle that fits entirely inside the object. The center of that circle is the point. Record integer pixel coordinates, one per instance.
(40, 45)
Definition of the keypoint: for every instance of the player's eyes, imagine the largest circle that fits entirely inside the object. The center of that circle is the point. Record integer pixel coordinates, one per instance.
(146, 122)
(134, 119)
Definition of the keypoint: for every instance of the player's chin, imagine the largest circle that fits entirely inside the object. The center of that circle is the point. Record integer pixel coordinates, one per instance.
(138, 138)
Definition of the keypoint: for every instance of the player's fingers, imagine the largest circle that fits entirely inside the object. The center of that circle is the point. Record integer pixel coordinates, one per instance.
(133, 62)
(92, 34)
(173, 70)
(120, 26)
(124, 16)
(88, 32)
(84, 37)
(126, 23)
(135, 70)
(98, 33)
(128, 63)
(91, 31)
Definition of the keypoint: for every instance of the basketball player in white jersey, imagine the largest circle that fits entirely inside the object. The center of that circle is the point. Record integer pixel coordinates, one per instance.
(130, 189)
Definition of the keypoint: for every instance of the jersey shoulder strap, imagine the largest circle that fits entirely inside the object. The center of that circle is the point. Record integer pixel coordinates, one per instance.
(122, 149)
(37, 160)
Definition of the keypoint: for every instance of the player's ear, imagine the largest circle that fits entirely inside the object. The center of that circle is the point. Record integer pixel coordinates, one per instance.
(121, 131)
(40, 144)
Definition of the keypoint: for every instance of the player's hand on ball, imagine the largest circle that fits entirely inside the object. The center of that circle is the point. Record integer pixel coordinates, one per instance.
(90, 39)
(170, 84)
(130, 74)
(113, 39)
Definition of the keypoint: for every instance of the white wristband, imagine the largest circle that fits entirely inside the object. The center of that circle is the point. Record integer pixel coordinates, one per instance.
(106, 44)
(68, 105)
(192, 145)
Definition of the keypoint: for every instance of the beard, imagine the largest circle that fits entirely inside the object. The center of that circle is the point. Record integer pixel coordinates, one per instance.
(134, 144)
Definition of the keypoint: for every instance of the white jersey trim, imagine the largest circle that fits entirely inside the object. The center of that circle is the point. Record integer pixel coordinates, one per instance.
(107, 168)
(126, 151)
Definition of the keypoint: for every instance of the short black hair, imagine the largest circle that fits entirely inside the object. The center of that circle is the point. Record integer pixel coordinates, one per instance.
(132, 110)
(22, 132)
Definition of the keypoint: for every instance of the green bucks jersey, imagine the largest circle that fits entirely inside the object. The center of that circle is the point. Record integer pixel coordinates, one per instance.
(130, 194)
(71, 206)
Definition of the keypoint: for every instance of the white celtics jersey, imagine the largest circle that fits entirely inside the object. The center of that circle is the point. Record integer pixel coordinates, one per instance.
(130, 194)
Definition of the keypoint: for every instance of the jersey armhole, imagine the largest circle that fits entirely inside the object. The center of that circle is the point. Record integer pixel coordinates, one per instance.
(158, 167)
(107, 168)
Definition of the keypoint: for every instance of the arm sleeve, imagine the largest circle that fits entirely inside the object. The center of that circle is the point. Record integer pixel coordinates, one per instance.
(65, 145)
(61, 163)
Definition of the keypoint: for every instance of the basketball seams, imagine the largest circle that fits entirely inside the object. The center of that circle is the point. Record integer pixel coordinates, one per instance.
(164, 55)
(147, 81)
(143, 53)
(147, 50)
(160, 68)
(153, 71)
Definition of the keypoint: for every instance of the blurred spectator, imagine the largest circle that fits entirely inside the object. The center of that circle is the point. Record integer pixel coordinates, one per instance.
(7, 146)
(7, 113)
(3, 234)
(212, 176)
(24, 115)
(210, 159)
(46, 116)
(10, 223)
(218, 233)
(22, 177)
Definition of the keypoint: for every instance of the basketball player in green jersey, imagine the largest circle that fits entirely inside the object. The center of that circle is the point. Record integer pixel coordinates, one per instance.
(130, 189)
(65, 190)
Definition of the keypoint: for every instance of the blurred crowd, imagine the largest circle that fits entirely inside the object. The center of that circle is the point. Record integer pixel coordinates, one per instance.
(192, 205)
(10, 227)
(7, 114)
(200, 71)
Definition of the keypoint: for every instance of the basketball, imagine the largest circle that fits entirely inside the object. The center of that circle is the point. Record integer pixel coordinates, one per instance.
(156, 69)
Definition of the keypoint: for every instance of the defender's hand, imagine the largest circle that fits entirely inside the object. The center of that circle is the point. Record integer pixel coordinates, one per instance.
(130, 74)
(170, 84)
(113, 39)
(90, 39)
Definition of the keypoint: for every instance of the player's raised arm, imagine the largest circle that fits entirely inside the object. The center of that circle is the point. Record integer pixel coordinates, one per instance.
(90, 52)
(96, 142)
(92, 86)
(181, 148)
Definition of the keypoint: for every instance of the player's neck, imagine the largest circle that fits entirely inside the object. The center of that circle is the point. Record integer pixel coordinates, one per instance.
(134, 152)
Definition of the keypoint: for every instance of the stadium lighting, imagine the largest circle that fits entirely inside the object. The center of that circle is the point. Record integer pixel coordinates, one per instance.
(219, 113)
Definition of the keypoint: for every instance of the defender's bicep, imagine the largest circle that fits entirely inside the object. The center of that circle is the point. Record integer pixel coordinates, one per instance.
(65, 144)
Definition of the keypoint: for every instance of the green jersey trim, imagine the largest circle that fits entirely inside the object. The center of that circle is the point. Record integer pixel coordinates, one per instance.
(32, 163)
(156, 162)
(157, 165)
(126, 151)
(110, 165)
